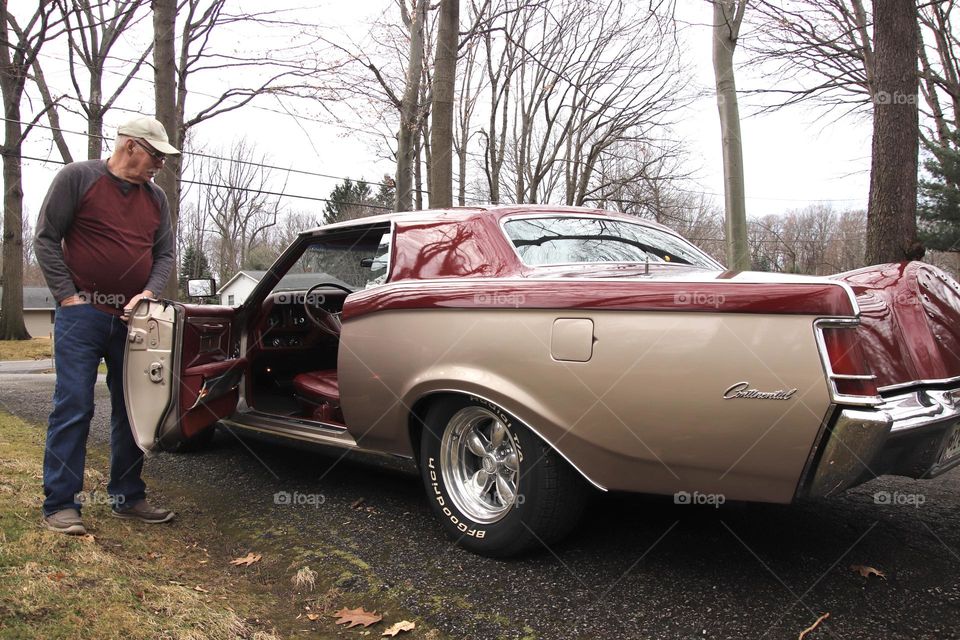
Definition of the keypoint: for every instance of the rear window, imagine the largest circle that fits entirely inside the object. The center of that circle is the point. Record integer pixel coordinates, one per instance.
(571, 240)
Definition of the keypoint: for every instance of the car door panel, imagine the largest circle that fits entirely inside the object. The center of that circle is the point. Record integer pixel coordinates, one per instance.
(182, 370)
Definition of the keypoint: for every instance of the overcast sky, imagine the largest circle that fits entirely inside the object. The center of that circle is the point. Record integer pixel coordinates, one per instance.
(792, 158)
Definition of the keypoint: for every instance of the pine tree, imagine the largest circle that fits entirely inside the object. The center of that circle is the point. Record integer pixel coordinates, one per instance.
(347, 201)
(938, 209)
(193, 266)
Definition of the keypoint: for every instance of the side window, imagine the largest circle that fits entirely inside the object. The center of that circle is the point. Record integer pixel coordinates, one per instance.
(380, 264)
(230, 299)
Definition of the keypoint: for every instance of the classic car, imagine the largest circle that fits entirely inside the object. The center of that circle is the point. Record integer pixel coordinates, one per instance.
(525, 356)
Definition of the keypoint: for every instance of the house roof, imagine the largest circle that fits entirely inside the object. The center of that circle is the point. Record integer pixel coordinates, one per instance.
(256, 276)
(37, 299)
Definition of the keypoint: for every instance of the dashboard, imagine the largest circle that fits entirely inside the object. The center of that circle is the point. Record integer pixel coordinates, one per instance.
(287, 326)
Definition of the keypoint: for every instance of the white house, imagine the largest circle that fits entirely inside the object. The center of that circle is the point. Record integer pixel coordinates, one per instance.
(237, 288)
(38, 310)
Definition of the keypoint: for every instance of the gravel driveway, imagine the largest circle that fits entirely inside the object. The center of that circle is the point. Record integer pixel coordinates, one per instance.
(637, 567)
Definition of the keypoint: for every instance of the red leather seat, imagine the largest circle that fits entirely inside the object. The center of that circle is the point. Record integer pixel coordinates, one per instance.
(318, 386)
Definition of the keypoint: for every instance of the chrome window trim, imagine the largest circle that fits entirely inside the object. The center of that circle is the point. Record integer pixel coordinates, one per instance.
(830, 377)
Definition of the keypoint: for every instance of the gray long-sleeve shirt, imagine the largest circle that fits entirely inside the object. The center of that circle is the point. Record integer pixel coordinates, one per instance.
(103, 236)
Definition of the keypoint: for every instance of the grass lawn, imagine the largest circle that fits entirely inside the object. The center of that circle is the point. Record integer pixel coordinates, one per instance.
(132, 581)
(34, 349)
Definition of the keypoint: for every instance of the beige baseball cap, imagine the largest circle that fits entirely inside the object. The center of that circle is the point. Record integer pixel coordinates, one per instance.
(150, 130)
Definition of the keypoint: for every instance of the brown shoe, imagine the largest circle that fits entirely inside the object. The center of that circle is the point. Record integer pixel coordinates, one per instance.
(65, 521)
(142, 511)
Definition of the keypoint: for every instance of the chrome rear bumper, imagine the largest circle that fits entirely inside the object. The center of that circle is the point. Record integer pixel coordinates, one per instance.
(906, 435)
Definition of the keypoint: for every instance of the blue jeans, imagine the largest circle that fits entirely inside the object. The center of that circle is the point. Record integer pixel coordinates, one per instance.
(82, 335)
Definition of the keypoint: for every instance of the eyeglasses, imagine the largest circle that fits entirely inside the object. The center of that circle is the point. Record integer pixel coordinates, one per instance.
(153, 153)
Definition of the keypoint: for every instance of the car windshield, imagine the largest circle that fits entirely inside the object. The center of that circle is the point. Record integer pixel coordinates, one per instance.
(567, 240)
(356, 259)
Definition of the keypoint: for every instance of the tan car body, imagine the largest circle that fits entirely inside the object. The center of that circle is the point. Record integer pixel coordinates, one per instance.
(646, 410)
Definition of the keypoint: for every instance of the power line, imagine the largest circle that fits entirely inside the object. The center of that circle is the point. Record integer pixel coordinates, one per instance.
(235, 188)
(210, 156)
(362, 130)
(374, 206)
(473, 154)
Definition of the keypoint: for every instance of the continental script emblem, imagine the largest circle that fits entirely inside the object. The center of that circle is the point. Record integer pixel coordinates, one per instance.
(743, 390)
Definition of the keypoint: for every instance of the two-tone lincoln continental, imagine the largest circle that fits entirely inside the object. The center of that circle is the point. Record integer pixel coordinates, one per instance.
(524, 356)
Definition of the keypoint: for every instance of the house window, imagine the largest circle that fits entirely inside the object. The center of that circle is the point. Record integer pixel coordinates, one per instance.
(230, 299)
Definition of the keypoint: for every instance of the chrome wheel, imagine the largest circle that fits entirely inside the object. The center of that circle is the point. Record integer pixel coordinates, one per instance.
(480, 464)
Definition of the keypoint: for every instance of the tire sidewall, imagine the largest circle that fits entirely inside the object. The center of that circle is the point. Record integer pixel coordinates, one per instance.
(496, 538)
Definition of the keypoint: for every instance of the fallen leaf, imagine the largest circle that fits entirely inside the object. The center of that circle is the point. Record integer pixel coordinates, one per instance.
(153, 555)
(58, 576)
(202, 561)
(247, 560)
(88, 538)
(816, 624)
(356, 503)
(200, 589)
(866, 572)
(357, 617)
(394, 629)
(313, 616)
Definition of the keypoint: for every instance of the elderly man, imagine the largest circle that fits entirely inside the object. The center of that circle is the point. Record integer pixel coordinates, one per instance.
(103, 242)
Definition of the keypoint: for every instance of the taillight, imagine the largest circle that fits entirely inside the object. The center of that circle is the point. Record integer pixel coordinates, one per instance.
(849, 377)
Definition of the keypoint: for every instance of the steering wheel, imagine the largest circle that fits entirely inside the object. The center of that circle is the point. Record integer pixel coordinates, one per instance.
(326, 321)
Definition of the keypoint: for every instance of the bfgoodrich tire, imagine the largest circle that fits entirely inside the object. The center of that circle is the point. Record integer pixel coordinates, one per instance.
(498, 489)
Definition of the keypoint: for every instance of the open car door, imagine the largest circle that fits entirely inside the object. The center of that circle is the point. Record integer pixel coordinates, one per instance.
(182, 370)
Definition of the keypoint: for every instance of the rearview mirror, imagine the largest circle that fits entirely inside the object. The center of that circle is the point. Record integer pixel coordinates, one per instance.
(202, 288)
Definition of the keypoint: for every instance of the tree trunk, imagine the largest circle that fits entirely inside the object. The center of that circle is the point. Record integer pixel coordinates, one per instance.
(410, 110)
(165, 89)
(441, 112)
(12, 326)
(727, 15)
(892, 209)
(95, 117)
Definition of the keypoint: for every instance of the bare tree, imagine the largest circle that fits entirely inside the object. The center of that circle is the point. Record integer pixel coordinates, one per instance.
(409, 105)
(444, 84)
(892, 210)
(471, 83)
(184, 49)
(235, 199)
(93, 29)
(814, 50)
(501, 62)
(569, 83)
(815, 240)
(19, 47)
(727, 18)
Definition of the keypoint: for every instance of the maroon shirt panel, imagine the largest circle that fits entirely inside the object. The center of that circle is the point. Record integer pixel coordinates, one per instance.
(109, 249)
